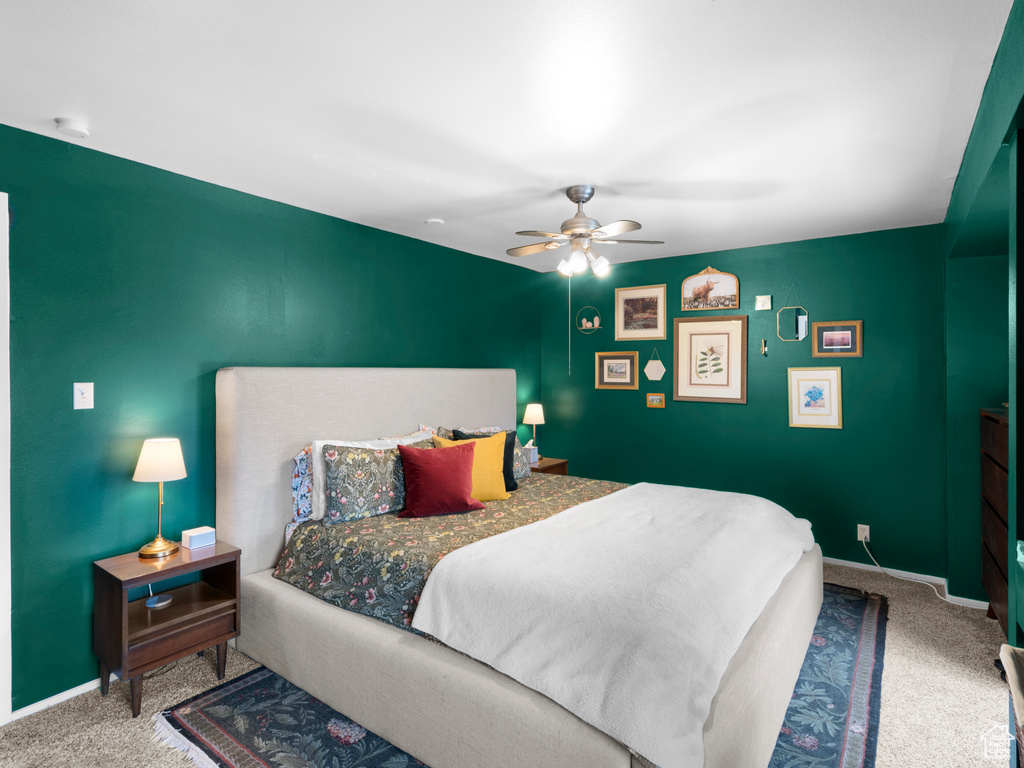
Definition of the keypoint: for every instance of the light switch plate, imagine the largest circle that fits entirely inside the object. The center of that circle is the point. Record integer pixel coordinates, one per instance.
(763, 302)
(82, 395)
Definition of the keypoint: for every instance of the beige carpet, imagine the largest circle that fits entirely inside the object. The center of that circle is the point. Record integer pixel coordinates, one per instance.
(940, 695)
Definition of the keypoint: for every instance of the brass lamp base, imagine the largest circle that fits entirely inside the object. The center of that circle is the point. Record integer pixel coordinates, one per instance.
(159, 547)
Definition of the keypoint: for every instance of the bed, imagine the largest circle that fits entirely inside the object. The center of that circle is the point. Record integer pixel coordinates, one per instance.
(443, 707)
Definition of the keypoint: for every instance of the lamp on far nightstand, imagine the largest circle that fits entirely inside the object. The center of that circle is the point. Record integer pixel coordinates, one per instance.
(160, 460)
(534, 415)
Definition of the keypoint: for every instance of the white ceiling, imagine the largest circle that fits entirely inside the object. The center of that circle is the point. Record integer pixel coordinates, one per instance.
(714, 123)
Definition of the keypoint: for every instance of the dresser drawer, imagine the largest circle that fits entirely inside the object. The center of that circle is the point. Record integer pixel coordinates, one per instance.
(995, 586)
(994, 534)
(995, 440)
(175, 644)
(994, 484)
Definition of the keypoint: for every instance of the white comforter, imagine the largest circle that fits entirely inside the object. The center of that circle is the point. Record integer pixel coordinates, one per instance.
(625, 610)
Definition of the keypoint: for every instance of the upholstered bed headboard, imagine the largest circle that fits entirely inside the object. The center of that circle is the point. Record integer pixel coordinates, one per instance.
(267, 415)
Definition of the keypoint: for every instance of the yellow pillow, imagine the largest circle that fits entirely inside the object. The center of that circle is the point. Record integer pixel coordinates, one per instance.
(488, 458)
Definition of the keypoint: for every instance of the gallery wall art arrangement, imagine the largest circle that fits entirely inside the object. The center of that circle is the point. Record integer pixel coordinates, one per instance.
(709, 351)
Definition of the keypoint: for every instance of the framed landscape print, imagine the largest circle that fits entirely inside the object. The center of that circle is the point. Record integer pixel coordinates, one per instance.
(640, 313)
(816, 398)
(655, 400)
(838, 339)
(710, 359)
(615, 370)
(711, 289)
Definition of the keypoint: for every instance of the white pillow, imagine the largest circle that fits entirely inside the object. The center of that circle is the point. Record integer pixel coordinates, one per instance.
(318, 503)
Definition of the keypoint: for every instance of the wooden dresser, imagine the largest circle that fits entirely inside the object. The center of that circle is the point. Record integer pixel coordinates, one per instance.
(994, 537)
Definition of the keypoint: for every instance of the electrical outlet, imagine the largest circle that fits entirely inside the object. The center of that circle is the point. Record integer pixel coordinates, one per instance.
(863, 532)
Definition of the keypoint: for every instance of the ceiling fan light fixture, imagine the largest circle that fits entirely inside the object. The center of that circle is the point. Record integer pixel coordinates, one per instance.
(600, 266)
(577, 262)
(564, 268)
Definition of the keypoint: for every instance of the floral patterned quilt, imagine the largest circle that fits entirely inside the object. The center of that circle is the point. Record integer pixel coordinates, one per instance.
(378, 565)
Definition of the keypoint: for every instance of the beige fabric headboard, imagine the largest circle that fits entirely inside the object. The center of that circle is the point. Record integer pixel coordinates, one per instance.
(266, 415)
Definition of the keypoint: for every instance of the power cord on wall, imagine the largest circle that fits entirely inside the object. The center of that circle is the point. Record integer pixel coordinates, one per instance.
(904, 578)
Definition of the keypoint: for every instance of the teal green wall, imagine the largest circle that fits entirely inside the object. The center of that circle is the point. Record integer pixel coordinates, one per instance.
(146, 283)
(976, 377)
(884, 468)
(991, 168)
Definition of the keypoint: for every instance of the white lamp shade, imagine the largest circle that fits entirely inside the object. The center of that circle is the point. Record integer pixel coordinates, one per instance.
(160, 460)
(534, 414)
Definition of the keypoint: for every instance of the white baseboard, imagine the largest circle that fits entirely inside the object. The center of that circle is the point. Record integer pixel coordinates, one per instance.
(39, 706)
(964, 601)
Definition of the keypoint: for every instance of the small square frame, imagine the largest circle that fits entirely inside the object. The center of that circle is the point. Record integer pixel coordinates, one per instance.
(655, 400)
(616, 370)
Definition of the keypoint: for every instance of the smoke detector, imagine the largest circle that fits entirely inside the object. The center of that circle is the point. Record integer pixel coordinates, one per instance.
(70, 126)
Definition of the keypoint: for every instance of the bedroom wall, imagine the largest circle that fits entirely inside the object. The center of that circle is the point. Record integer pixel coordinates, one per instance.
(884, 468)
(976, 377)
(146, 283)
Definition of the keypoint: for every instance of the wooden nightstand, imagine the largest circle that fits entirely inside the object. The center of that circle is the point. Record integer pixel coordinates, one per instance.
(548, 466)
(130, 639)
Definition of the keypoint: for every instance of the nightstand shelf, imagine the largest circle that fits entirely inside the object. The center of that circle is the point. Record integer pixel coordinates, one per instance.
(549, 466)
(130, 639)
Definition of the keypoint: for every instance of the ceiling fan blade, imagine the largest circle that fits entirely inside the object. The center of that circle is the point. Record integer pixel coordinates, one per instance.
(526, 250)
(632, 242)
(615, 228)
(536, 233)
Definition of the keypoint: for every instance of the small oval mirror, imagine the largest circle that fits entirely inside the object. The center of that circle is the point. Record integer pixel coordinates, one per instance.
(791, 323)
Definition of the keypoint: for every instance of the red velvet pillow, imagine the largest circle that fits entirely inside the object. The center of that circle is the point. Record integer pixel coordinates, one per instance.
(438, 481)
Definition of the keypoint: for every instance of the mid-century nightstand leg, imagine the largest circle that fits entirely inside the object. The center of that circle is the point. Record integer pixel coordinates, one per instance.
(104, 679)
(222, 659)
(136, 695)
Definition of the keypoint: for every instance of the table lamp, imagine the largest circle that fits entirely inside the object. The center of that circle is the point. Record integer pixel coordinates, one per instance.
(160, 460)
(534, 415)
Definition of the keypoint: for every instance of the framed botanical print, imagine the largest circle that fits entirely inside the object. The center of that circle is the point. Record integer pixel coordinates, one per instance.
(710, 359)
(616, 370)
(838, 339)
(640, 313)
(816, 398)
(711, 289)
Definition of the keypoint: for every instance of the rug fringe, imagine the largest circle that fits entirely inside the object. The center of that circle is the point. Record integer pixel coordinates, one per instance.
(165, 733)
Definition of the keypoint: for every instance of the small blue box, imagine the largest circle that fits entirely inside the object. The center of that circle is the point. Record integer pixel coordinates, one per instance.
(194, 538)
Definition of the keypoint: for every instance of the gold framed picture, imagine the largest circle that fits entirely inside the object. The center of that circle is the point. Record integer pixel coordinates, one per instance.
(816, 398)
(616, 370)
(838, 339)
(640, 313)
(711, 289)
(655, 400)
(710, 359)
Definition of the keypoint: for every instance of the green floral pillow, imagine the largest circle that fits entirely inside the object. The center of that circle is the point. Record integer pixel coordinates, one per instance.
(363, 482)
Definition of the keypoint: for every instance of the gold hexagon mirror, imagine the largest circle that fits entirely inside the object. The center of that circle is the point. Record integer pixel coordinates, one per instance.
(791, 323)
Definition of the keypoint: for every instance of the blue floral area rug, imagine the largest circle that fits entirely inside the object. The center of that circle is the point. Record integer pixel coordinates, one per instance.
(260, 719)
(832, 719)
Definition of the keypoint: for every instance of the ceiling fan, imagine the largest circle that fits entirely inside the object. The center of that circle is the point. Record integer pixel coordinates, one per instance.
(581, 233)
